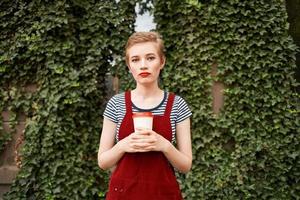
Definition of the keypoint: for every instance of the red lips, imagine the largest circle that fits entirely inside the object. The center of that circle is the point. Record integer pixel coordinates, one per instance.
(144, 74)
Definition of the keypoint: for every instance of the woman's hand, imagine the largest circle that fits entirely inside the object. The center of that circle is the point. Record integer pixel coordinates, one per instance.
(153, 140)
(133, 143)
(144, 140)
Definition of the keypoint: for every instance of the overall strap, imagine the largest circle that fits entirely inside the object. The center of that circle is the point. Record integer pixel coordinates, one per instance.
(169, 104)
(128, 102)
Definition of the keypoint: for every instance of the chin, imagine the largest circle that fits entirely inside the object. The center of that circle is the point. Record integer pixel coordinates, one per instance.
(146, 82)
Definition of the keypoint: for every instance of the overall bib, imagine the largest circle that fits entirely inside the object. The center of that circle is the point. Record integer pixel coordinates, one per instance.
(149, 175)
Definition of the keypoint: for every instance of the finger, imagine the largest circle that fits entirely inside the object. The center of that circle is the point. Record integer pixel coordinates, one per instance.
(139, 137)
(144, 132)
(150, 148)
(141, 150)
(141, 145)
(145, 140)
(141, 130)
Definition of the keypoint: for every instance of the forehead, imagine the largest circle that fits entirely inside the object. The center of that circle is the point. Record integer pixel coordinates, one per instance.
(144, 48)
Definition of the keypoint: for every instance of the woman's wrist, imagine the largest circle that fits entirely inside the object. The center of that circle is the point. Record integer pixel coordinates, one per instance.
(167, 146)
(119, 147)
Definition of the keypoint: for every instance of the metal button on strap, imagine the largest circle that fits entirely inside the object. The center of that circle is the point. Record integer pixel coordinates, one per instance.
(116, 189)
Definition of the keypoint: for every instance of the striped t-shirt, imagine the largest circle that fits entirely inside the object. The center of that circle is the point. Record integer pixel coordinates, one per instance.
(115, 111)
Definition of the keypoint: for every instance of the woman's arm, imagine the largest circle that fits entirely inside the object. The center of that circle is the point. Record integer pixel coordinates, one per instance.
(108, 153)
(181, 157)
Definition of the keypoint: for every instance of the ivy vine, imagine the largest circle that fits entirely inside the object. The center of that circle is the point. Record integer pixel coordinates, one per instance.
(251, 149)
(65, 49)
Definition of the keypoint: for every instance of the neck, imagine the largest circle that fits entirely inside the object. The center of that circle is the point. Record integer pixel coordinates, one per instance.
(147, 91)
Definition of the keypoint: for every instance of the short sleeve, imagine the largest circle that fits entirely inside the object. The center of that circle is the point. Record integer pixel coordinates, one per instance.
(183, 111)
(110, 111)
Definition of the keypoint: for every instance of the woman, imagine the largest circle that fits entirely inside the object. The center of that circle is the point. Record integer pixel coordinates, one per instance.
(143, 160)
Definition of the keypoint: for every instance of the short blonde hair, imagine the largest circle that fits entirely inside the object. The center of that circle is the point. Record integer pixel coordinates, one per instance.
(141, 37)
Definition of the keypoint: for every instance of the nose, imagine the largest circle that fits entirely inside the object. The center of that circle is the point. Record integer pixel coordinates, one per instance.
(143, 64)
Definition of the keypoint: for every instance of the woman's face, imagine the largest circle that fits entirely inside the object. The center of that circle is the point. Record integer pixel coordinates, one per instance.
(144, 62)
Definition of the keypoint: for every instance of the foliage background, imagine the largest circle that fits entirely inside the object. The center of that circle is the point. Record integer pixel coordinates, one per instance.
(65, 48)
(250, 150)
(293, 9)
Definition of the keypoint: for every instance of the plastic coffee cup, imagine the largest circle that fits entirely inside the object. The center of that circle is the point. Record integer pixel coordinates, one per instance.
(142, 120)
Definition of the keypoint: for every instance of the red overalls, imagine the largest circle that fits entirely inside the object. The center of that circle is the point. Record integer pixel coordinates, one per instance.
(144, 176)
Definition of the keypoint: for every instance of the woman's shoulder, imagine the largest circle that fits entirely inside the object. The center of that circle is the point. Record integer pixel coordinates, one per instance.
(180, 108)
(116, 100)
(118, 96)
(177, 98)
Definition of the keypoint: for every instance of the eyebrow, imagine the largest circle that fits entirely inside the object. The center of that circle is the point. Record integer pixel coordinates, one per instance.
(133, 57)
(148, 54)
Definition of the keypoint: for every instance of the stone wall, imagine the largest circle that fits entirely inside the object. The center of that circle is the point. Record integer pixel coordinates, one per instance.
(9, 156)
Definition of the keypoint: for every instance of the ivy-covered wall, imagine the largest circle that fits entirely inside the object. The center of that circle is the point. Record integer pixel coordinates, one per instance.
(65, 49)
(251, 149)
(293, 9)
